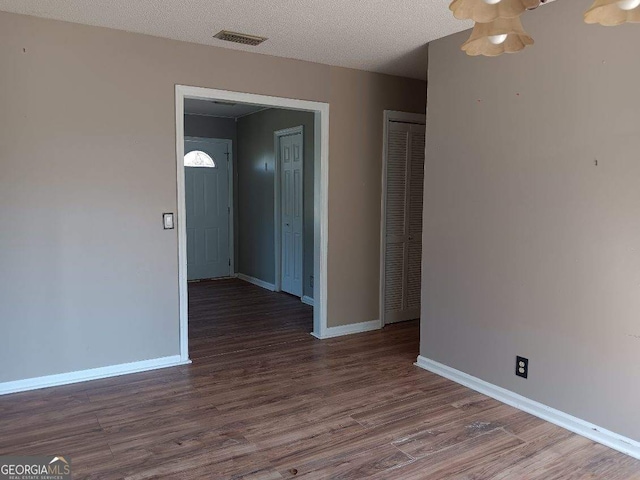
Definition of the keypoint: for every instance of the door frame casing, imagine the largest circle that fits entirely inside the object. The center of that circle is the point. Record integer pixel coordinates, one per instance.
(229, 142)
(320, 196)
(388, 117)
(277, 204)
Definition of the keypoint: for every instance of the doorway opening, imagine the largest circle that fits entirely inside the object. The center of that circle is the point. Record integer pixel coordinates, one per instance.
(252, 208)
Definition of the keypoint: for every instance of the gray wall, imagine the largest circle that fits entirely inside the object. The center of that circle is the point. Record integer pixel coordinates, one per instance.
(87, 166)
(218, 127)
(529, 247)
(209, 127)
(256, 191)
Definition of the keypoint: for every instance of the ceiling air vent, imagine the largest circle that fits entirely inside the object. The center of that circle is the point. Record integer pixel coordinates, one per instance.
(241, 38)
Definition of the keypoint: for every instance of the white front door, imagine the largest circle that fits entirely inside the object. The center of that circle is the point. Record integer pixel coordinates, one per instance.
(404, 180)
(291, 194)
(206, 174)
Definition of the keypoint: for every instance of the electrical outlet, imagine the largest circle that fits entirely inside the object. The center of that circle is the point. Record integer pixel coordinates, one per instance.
(522, 367)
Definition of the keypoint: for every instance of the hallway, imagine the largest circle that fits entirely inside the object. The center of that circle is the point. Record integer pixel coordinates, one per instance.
(231, 315)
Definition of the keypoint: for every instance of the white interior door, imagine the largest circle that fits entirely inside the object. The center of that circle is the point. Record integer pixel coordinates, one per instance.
(403, 220)
(291, 207)
(207, 205)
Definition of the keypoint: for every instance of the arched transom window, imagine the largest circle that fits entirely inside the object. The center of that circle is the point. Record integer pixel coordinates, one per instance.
(198, 158)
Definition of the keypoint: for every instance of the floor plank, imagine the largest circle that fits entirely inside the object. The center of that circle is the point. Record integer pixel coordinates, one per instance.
(265, 400)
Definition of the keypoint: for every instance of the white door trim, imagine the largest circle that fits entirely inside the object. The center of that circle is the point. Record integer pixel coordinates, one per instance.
(232, 266)
(277, 210)
(320, 194)
(389, 116)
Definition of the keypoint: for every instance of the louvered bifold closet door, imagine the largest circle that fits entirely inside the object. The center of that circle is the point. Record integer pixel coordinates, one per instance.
(404, 182)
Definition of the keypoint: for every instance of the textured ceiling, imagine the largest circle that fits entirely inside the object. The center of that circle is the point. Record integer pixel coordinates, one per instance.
(386, 36)
(217, 109)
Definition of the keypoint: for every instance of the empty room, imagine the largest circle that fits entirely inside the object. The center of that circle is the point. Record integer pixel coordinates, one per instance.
(320, 240)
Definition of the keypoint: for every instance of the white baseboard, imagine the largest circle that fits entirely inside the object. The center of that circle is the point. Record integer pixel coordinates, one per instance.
(564, 420)
(257, 281)
(307, 300)
(91, 374)
(349, 329)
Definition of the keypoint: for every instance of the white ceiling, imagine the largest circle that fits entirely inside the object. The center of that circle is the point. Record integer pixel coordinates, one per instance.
(386, 36)
(219, 109)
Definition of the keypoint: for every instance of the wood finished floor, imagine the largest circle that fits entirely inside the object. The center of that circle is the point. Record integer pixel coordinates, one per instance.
(265, 400)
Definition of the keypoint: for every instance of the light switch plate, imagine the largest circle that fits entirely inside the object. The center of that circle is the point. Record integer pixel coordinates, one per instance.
(167, 221)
